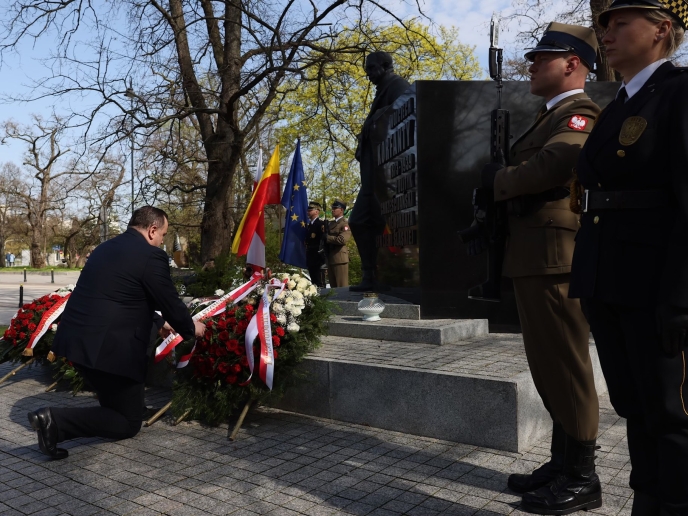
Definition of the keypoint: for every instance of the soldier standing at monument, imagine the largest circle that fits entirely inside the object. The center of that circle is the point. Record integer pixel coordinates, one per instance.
(337, 234)
(314, 238)
(538, 258)
(630, 267)
(366, 220)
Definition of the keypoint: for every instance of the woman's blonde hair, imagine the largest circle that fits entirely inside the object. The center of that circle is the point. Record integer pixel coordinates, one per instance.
(675, 38)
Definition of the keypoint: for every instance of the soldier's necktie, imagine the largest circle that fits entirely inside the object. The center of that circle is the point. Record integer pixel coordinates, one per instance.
(541, 113)
(621, 97)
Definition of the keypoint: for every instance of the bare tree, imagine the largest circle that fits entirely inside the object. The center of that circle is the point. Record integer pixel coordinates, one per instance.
(534, 16)
(38, 196)
(187, 59)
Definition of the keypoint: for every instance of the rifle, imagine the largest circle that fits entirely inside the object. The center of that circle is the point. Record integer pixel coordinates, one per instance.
(490, 217)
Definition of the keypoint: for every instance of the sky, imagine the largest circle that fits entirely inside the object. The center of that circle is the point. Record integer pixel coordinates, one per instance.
(472, 17)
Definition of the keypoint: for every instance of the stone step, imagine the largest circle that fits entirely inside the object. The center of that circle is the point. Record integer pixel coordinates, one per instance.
(426, 331)
(392, 310)
(478, 392)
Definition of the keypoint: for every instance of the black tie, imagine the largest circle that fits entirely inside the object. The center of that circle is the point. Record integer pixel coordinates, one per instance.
(621, 97)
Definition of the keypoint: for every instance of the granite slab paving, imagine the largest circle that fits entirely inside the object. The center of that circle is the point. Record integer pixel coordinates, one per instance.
(281, 464)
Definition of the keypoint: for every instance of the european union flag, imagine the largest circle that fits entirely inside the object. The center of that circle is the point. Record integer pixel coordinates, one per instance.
(295, 200)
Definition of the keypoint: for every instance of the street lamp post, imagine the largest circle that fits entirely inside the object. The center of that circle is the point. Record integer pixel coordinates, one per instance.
(130, 93)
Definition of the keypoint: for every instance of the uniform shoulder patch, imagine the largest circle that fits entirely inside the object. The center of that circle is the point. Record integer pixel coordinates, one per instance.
(578, 122)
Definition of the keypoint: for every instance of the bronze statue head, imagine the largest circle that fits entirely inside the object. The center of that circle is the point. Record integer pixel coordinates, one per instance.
(378, 65)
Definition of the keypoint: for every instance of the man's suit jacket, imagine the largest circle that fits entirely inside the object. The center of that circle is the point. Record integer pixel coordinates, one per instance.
(638, 256)
(314, 237)
(338, 235)
(107, 321)
(541, 159)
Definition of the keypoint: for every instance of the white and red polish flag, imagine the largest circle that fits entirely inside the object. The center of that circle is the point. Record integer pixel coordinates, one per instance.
(256, 251)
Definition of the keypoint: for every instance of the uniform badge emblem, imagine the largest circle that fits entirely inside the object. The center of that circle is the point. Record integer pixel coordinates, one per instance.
(578, 123)
(631, 130)
(346, 228)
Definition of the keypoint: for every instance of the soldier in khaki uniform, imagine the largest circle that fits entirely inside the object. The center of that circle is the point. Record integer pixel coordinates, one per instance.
(538, 257)
(338, 234)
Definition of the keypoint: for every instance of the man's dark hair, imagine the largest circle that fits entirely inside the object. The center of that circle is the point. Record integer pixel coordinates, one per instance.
(147, 216)
(384, 59)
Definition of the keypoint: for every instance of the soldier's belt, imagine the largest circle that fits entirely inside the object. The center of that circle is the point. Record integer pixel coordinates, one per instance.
(624, 200)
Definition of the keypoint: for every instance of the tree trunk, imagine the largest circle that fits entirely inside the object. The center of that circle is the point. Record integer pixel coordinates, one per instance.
(603, 71)
(217, 225)
(37, 255)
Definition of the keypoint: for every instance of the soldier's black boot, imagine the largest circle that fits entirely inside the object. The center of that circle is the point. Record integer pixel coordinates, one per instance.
(548, 471)
(576, 488)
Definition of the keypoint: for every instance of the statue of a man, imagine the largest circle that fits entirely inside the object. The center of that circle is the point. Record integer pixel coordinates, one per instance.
(366, 220)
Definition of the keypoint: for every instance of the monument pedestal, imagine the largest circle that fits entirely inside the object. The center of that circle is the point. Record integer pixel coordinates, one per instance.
(477, 390)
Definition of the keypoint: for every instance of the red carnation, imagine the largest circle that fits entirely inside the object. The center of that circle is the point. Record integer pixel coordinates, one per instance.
(32, 327)
(232, 379)
(273, 318)
(223, 368)
(279, 331)
(241, 326)
(22, 335)
(231, 320)
(208, 335)
(275, 340)
(209, 323)
(236, 368)
(223, 336)
(221, 351)
(221, 324)
(275, 353)
(249, 308)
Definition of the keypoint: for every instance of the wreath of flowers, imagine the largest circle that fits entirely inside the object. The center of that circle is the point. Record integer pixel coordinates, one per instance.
(27, 322)
(218, 379)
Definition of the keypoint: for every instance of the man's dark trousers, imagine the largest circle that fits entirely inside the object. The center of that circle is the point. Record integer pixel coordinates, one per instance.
(649, 390)
(120, 413)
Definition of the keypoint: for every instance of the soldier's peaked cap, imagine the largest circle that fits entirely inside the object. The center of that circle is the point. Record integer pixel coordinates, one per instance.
(338, 204)
(562, 37)
(679, 8)
(315, 205)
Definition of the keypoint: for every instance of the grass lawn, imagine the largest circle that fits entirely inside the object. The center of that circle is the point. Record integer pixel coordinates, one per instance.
(2, 329)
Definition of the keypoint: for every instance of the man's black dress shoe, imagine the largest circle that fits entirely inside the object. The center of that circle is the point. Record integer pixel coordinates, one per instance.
(46, 430)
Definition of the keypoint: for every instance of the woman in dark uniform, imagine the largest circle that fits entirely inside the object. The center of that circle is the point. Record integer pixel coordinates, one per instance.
(630, 265)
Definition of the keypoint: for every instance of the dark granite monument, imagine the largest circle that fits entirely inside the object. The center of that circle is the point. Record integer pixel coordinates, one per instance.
(430, 147)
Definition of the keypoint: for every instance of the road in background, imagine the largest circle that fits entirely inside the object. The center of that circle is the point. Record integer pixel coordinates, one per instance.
(37, 284)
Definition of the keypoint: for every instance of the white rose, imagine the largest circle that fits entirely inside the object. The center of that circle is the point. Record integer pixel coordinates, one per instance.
(282, 319)
(283, 275)
(252, 301)
(53, 328)
(296, 312)
(219, 292)
(312, 290)
(291, 284)
(293, 327)
(278, 308)
(296, 276)
(297, 295)
(302, 285)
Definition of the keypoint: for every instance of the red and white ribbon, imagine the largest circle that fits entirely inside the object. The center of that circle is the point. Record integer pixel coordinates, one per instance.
(48, 318)
(219, 306)
(259, 326)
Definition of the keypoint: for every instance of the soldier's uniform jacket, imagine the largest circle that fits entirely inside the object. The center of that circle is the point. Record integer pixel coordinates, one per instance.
(314, 235)
(338, 235)
(639, 256)
(542, 159)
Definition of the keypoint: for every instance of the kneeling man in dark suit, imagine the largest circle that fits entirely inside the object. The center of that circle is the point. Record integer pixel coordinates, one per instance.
(105, 330)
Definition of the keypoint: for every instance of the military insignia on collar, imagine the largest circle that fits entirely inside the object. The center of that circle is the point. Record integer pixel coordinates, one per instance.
(631, 130)
(578, 122)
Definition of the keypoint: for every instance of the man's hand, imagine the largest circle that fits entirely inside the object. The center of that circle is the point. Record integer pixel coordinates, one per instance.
(166, 330)
(672, 323)
(488, 174)
(199, 328)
